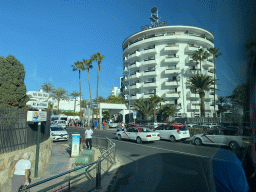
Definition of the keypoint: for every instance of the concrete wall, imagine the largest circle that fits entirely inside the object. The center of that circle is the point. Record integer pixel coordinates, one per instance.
(8, 161)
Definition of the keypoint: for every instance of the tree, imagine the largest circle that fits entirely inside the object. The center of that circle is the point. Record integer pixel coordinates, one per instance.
(239, 94)
(200, 55)
(167, 110)
(75, 94)
(156, 100)
(99, 58)
(215, 54)
(88, 65)
(114, 99)
(195, 57)
(144, 106)
(59, 94)
(12, 87)
(80, 67)
(83, 103)
(50, 106)
(106, 115)
(100, 99)
(47, 87)
(201, 83)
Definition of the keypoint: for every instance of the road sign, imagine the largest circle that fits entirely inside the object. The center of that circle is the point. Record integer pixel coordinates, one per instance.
(134, 116)
(37, 104)
(36, 116)
(134, 113)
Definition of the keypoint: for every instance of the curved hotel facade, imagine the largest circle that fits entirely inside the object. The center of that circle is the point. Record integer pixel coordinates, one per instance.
(158, 61)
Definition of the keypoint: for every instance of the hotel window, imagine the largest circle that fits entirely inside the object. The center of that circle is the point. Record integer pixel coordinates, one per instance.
(192, 68)
(193, 90)
(170, 33)
(171, 44)
(173, 90)
(151, 80)
(152, 57)
(171, 55)
(172, 67)
(151, 69)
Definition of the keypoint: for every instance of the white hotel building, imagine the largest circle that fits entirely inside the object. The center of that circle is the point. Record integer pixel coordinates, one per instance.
(158, 61)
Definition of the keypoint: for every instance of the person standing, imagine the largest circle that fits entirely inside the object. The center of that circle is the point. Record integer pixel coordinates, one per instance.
(21, 173)
(95, 124)
(88, 137)
(104, 124)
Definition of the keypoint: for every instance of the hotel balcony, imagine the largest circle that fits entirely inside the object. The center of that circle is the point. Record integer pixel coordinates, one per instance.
(191, 49)
(207, 64)
(135, 55)
(172, 60)
(190, 61)
(208, 107)
(172, 71)
(125, 61)
(135, 76)
(149, 84)
(125, 70)
(193, 106)
(134, 65)
(151, 51)
(171, 49)
(136, 96)
(149, 73)
(172, 83)
(172, 94)
(151, 62)
(192, 95)
(191, 72)
(136, 86)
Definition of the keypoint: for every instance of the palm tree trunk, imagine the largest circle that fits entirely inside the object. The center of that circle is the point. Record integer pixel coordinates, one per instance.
(90, 92)
(75, 105)
(80, 91)
(97, 91)
(202, 94)
(214, 81)
(58, 105)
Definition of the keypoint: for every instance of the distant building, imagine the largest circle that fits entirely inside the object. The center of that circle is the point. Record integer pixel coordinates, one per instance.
(115, 91)
(66, 105)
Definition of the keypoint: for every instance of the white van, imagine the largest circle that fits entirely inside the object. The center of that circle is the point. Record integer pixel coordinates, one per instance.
(60, 117)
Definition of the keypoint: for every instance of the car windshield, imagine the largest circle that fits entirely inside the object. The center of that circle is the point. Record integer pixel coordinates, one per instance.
(57, 129)
(146, 130)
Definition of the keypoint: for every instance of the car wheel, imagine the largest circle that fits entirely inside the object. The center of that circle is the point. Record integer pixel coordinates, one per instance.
(138, 140)
(119, 137)
(198, 141)
(172, 138)
(233, 145)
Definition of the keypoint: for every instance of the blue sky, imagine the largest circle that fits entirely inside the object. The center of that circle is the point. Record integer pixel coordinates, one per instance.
(49, 36)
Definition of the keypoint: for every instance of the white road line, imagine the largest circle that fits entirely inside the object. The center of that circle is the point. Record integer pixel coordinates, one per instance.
(185, 153)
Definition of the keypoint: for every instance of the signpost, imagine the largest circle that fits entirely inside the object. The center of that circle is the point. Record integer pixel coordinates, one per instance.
(134, 115)
(75, 145)
(37, 116)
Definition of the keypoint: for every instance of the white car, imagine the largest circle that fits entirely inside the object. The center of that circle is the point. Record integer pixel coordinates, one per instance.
(212, 125)
(59, 123)
(110, 124)
(173, 132)
(231, 138)
(138, 134)
(58, 133)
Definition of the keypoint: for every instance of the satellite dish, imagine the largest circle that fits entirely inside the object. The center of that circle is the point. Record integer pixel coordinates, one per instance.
(154, 10)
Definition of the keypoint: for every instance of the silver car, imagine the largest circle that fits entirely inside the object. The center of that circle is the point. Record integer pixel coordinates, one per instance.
(231, 138)
(58, 133)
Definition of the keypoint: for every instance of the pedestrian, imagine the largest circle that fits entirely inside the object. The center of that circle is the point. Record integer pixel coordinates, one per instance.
(88, 137)
(22, 172)
(95, 124)
(104, 124)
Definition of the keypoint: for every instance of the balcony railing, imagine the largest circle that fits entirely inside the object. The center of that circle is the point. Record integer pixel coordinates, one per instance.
(174, 83)
(172, 94)
(171, 48)
(171, 71)
(172, 59)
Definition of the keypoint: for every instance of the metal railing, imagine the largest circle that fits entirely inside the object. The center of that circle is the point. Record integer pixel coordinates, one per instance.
(83, 178)
(16, 133)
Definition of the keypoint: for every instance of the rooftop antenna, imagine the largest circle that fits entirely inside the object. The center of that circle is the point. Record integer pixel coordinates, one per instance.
(154, 15)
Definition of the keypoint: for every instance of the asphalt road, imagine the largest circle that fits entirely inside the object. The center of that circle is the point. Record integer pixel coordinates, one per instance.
(161, 165)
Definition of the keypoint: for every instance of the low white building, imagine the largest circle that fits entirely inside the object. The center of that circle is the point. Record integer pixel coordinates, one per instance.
(66, 105)
(115, 91)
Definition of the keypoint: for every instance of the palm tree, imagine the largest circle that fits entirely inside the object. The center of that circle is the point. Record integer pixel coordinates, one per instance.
(83, 103)
(215, 54)
(59, 94)
(156, 100)
(99, 58)
(200, 55)
(88, 65)
(75, 95)
(167, 110)
(50, 106)
(144, 106)
(80, 67)
(195, 57)
(201, 83)
(47, 87)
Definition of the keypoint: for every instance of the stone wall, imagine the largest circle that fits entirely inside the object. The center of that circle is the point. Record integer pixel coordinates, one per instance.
(8, 161)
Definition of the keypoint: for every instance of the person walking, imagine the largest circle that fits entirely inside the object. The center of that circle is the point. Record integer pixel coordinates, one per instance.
(21, 173)
(95, 124)
(88, 137)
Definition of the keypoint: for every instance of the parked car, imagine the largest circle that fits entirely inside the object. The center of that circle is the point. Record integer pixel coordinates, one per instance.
(212, 125)
(231, 138)
(58, 133)
(111, 124)
(190, 125)
(173, 132)
(60, 123)
(138, 134)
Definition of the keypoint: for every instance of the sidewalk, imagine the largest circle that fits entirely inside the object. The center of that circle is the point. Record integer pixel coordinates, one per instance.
(62, 162)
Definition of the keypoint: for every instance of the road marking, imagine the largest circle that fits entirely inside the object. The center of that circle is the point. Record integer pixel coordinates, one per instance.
(185, 153)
